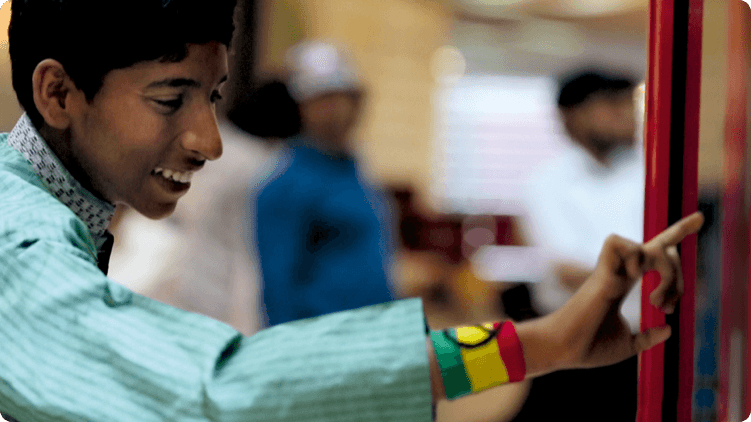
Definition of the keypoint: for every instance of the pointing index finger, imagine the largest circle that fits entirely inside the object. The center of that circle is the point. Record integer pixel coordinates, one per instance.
(675, 233)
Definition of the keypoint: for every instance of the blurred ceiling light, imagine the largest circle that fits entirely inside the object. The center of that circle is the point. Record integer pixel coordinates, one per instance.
(551, 38)
(448, 64)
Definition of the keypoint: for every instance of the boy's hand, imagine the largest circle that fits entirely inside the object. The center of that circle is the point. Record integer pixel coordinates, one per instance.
(597, 333)
(589, 331)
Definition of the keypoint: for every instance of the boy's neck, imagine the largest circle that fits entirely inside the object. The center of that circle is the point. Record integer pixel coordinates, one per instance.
(59, 142)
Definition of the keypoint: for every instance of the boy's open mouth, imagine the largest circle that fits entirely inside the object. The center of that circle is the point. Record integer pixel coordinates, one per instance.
(174, 176)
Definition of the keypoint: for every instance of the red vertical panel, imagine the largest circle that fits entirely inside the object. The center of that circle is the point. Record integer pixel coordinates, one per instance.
(745, 62)
(733, 313)
(657, 149)
(690, 201)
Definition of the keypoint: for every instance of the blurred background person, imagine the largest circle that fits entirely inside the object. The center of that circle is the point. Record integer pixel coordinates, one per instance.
(593, 189)
(324, 234)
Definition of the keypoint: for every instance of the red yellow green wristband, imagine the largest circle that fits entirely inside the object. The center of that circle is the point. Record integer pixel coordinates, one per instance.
(473, 359)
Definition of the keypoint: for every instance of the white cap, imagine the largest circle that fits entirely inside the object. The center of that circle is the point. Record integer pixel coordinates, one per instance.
(318, 67)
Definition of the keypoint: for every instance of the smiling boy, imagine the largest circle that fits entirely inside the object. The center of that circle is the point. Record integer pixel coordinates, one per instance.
(120, 101)
(147, 165)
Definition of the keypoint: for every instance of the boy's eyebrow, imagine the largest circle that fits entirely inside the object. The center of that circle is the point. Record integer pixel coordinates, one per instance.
(180, 82)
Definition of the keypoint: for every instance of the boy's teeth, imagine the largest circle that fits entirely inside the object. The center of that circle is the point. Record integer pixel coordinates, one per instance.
(174, 175)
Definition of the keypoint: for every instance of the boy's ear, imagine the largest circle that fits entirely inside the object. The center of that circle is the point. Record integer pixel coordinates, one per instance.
(53, 92)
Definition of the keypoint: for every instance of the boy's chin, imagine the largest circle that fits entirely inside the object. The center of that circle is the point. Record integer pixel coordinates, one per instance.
(155, 211)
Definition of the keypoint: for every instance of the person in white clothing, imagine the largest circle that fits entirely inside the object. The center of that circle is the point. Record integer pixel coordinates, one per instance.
(573, 204)
(592, 190)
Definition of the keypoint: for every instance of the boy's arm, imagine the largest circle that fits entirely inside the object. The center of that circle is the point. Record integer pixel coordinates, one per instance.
(571, 274)
(588, 331)
(77, 346)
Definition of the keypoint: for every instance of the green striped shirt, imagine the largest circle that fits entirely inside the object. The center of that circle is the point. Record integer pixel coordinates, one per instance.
(75, 346)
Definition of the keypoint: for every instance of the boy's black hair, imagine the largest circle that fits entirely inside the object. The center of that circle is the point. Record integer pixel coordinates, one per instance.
(90, 38)
(577, 88)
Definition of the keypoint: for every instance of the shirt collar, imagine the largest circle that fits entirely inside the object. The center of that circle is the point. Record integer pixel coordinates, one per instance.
(96, 213)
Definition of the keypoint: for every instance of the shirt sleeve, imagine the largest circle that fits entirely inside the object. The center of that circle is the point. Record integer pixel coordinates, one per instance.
(76, 346)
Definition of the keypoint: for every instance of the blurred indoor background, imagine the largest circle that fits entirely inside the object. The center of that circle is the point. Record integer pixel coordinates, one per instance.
(460, 111)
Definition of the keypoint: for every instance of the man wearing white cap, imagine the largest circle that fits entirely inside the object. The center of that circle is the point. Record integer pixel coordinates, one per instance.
(324, 234)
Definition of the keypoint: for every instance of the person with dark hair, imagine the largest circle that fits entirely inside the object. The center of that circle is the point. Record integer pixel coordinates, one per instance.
(597, 109)
(77, 346)
(595, 186)
(572, 205)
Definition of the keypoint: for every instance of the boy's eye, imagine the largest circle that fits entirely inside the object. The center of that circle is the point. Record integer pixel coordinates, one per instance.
(172, 104)
(215, 96)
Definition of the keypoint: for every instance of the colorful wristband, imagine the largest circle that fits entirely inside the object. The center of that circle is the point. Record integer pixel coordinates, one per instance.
(473, 359)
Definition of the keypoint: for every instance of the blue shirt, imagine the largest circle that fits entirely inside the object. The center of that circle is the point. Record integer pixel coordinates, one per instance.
(324, 237)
